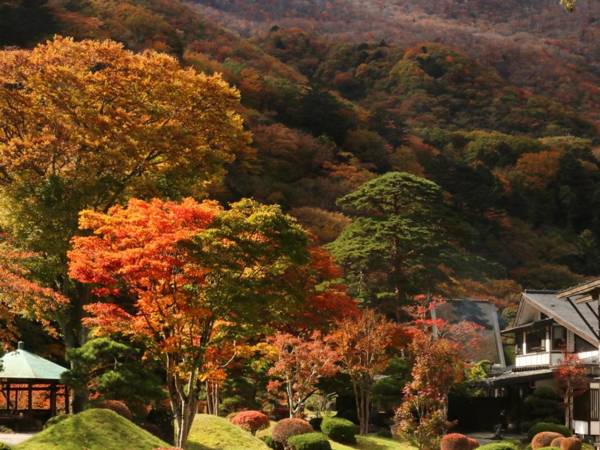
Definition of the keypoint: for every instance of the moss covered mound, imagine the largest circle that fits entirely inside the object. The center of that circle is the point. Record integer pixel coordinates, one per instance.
(94, 429)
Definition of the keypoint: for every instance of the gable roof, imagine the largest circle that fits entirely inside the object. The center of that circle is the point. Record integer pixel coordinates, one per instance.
(482, 313)
(563, 313)
(22, 365)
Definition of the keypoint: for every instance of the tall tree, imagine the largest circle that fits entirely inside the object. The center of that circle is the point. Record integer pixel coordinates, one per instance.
(86, 124)
(200, 277)
(393, 246)
(364, 345)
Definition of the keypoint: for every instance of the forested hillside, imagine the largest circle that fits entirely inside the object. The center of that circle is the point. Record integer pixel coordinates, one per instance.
(503, 122)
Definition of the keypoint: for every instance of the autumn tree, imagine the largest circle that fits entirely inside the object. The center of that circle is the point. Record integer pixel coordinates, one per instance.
(364, 345)
(299, 365)
(572, 379)
(394, 243)
(21, 297)
(199, 277)
(438, 364)
(87, 124)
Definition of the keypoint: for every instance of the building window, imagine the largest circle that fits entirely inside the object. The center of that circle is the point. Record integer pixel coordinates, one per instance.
(582, 345)
(559, 338)
(519, 344)
(594, 404)
(536, 341)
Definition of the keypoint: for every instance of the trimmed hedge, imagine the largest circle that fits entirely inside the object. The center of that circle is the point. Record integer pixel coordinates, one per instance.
(339, 430)
(547, 426)
(251, 421)
(269, 442)
(309, 441)
(502, 445)
(457, 441)
(570, 443)
(287, 428)
(544, 439)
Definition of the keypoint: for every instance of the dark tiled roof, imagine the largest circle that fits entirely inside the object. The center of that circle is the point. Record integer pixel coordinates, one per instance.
(562, 312)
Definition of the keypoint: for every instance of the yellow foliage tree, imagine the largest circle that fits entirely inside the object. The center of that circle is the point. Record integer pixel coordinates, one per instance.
(89, 124)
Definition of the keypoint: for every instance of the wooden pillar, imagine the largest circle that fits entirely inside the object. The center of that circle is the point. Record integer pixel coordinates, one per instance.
(53, 400)
(29, 398)
(67, 401)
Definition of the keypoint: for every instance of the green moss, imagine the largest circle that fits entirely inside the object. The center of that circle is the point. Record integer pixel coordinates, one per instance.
(94, 429)
(217, 433)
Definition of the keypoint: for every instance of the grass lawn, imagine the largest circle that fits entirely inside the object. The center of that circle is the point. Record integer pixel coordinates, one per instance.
(372, 442)
(217, 433)
(94, 429)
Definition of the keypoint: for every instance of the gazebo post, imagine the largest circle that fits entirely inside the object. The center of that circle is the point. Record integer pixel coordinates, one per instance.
(67, 400)
(53, 399)
(29, 398)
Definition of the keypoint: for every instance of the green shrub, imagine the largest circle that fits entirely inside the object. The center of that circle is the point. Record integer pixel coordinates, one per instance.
(309, 441)
(268, 440)
(546, 426)
(4, 446)
(339, 430)
(502, 445)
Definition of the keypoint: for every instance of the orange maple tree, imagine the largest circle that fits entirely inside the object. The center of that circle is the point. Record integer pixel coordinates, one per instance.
(200, 277)
(364, 343)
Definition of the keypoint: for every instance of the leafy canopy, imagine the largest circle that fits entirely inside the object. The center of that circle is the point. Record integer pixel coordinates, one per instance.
(395, 237)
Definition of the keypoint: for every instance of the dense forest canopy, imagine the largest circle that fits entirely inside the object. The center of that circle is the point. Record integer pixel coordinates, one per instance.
(515, 156)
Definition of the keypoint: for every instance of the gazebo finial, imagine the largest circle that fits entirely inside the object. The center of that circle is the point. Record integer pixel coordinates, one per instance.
(21, 345)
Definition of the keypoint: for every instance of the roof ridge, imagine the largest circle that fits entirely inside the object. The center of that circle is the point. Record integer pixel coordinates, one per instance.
(540, 291)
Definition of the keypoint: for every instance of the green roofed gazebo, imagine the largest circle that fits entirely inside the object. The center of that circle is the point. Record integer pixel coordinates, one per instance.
(23, 372)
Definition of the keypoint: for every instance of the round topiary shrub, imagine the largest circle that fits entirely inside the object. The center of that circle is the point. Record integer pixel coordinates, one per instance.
(556, 442)
(547, 426)
(309, 441)
(473, 443)
(251, 421)
(287, 428)
(502, 445)
(339, 430)
(544, 439)
(117, 406)
(457, 441)
(570, 443)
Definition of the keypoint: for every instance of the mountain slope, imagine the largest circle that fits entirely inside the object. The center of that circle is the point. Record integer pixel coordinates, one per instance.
(534, 44)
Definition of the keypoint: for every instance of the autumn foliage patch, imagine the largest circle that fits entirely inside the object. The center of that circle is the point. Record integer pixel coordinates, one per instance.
(544, 439)
(457, 441)
(251, 421)
(288, 428)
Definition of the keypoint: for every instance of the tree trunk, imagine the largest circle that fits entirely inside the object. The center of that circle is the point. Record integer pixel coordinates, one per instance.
(184, 406)
(212, 398)
(74, 336)
(363, 404)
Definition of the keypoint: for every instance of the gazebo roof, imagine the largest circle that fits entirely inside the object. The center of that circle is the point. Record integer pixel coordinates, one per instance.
(22, 365)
